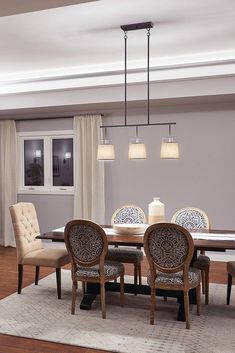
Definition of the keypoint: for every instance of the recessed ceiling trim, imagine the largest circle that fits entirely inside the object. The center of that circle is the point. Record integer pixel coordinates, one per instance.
(114, 78)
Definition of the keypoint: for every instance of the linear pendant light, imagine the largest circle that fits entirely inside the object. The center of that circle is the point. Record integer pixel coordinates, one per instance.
(137, 148)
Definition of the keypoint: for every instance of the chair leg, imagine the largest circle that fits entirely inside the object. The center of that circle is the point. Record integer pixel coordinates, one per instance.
(122, 290)
(186, 309)
(20, 277)
(74, 294)
(58, 281)
(139, 272)
(37, 271)
(198, 294)
(102, 293)
(229, 287)
(152, 305)
(135, 276)
(203, 281)
(207, 286)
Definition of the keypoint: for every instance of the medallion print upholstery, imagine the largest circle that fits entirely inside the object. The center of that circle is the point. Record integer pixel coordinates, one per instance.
(176, 278)
(111, 269)
(86, 242)
(191, 219)
(168, 247)
(129, 215)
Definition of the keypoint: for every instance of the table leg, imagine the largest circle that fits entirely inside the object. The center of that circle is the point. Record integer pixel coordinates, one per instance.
(91, 292)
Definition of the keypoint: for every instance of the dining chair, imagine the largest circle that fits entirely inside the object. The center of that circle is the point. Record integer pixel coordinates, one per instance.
(128, 214)
(169, 249)
(231, 275)
(29, 249)
(195, 218)
(87, 246)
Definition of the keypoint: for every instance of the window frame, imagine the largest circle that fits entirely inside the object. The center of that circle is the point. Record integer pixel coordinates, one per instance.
(47, 137)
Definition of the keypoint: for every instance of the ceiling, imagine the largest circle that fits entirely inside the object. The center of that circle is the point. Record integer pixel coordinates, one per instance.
(8, 8)
(86, 37)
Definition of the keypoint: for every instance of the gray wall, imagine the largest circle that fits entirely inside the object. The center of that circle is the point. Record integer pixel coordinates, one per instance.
(203, 176)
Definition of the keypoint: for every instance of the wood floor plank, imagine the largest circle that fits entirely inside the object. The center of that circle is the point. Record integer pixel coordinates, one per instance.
(8, 285)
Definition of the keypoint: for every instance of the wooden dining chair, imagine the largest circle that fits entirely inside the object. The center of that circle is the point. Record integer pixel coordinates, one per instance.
(169, 249)
(29, 249)
(128, 214)
(231, 275)
(195, 218)
(87, 246)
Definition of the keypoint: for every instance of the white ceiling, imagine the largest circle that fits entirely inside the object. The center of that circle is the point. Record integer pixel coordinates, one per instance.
(87, 37)
(12, 7)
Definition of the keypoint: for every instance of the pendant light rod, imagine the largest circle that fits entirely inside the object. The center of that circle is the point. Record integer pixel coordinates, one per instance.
(136, 132)
(125, 109)
(136, 125)
(148, 46)
(169, 130)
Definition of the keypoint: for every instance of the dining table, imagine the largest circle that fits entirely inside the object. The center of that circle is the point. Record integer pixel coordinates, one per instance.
(207, 240)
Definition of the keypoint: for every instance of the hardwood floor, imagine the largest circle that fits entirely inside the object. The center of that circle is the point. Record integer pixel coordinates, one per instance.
(8, 285)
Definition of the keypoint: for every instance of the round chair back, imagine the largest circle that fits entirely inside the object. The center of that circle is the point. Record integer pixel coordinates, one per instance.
(128, 214)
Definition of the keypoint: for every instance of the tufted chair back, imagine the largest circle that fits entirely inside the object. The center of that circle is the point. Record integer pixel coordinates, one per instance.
(191, 218)
(169, 247)
(86, 243)
(128, 214)
(26, 228)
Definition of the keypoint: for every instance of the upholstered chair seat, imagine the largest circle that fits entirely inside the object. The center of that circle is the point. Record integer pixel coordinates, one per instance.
(193, 218)
(124, 254)
(29, 249)
(169, 249)
(87, 246)
(231, 268)
(111, 269)
(176, 279)
(46, 258)
(128, 214)
(203, 261)
(231, 275)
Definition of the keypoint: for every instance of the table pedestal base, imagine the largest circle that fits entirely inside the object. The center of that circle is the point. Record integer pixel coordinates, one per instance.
(93, 289)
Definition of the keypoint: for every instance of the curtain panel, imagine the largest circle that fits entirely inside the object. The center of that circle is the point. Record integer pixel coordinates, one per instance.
(89, 198)
(8, 179)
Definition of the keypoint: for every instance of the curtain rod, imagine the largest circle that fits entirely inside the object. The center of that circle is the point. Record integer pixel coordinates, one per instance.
(53, 117)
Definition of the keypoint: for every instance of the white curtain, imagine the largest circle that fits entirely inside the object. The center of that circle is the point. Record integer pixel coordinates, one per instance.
(8, 179)
(89, 201)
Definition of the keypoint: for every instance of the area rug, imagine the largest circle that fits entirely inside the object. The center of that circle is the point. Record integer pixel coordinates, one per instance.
(38, 314)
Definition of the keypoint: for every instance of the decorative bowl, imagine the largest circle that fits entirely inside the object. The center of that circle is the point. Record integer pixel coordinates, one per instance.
(130, 228)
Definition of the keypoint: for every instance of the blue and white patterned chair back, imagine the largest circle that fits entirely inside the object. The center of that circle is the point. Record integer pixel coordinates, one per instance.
(169, 246)
(86, 242)
(128, 214)
(191, 218)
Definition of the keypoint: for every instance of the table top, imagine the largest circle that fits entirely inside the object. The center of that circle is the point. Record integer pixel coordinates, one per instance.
(137, 240)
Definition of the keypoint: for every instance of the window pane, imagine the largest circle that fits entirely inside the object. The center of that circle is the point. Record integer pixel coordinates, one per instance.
(33, 162)
(62, 150)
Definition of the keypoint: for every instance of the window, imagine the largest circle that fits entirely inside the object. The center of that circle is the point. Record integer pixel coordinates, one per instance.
(46, 162)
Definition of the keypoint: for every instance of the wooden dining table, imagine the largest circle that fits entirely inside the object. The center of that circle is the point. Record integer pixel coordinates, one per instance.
(216, 241)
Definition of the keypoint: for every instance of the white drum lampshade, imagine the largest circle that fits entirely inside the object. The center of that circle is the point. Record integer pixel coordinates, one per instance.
(106, 151)
(137, 149)
(169, 148)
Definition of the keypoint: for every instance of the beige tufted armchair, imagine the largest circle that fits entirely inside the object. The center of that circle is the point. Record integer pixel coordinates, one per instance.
(29, 249)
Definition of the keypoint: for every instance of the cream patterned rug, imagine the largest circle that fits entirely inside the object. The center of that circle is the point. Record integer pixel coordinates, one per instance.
(37, 313)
